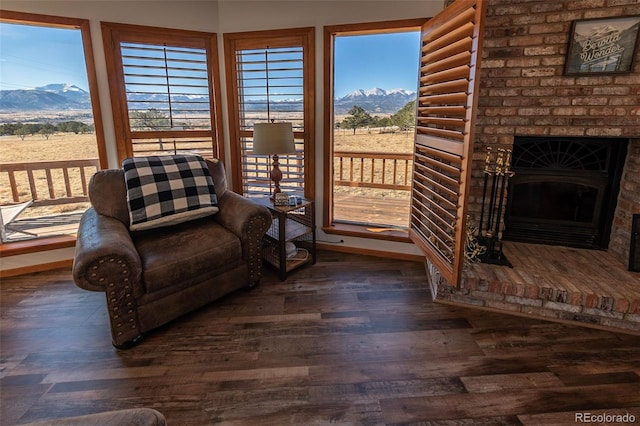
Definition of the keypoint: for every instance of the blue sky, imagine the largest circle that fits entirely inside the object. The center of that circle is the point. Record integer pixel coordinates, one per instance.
(387, 61)
(32, 56)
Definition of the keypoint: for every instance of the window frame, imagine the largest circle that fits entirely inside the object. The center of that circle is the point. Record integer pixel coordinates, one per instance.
(112, 35)
(304, 37)
(52, 21)
(85, 31)
(330, 33)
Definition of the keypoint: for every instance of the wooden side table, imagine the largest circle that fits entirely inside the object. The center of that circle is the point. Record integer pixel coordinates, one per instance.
(294, 225)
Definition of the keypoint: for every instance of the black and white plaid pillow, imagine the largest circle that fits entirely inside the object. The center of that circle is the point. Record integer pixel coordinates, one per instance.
(166, 190)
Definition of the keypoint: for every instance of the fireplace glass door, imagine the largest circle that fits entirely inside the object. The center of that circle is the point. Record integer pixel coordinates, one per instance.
(564, 190)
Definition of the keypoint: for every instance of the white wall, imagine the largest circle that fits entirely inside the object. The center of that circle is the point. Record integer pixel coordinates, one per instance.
(222, 16)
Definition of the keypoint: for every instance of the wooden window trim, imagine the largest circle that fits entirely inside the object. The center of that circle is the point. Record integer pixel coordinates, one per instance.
(330, 32)
(85, 31)
(111, 32)
(364, 231)
(52, 243)
(233, 42)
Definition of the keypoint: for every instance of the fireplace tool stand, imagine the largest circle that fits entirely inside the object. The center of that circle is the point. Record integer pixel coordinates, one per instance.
(489, 233)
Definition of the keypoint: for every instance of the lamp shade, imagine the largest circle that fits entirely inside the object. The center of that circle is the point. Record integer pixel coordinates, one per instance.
(273, 138)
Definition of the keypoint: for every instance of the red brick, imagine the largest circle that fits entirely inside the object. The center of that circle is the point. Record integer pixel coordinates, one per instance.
(541, 50)
(552, 61)
(563, 17)
(523, 62)
(547, 28)
(591, 301)
(569, 111)
(585, 4)
(590, 101)
(621, 305)
(526, 41)
(604, 132)
(532, 291)
(534, 111)
(511, 10)
(538, 72)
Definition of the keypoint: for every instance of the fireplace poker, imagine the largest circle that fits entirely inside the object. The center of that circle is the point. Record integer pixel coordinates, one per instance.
(494, 187)
(487, 172)
(506, 174)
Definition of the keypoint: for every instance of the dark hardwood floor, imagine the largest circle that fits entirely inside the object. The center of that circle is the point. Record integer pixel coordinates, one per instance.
(352, 340)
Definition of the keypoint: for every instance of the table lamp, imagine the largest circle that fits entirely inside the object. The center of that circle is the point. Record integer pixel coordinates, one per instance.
(273, 139)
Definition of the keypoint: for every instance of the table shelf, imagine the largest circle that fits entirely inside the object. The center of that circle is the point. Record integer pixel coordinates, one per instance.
(290, 224)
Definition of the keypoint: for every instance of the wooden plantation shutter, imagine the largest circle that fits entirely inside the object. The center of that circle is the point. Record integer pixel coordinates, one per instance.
(270, 76)
(165, 93)
(443, 148)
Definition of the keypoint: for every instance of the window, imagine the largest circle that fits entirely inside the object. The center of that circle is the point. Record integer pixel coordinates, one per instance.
(370, 79)
(270, 77)
(165, 90)
(51, 124)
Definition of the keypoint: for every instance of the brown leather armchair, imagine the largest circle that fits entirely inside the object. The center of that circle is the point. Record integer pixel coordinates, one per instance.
(152, 277)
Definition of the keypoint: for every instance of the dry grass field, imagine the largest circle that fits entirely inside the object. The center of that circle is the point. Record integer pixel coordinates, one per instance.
(62, 146)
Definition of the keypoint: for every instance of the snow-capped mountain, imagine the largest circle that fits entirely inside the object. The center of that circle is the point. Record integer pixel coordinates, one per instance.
(62, 96)
(374, 101)
(61, 88)
(58, 96)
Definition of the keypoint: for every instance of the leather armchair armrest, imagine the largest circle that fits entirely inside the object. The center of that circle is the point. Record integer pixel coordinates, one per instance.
(105, 255)
(249, 221)
(237, 212)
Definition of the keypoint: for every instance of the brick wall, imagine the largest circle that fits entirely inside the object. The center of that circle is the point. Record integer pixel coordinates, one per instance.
(523, 92)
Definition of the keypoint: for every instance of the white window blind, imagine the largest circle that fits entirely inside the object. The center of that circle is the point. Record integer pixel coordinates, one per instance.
(270, 85)
(166, 87)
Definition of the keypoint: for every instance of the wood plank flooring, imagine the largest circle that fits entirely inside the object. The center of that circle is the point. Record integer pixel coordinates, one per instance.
(352, 340)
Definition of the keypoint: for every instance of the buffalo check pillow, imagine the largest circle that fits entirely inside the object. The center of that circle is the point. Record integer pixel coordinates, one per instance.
(166, 190)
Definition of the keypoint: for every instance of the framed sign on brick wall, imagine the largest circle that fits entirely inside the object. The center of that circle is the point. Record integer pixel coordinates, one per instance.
(602, 46)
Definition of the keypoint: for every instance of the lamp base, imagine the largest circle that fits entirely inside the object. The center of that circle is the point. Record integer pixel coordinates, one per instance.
(276, 176)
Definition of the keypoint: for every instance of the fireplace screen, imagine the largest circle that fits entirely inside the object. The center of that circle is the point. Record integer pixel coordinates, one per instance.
(634, 253)
(564, 201)
(564, 190)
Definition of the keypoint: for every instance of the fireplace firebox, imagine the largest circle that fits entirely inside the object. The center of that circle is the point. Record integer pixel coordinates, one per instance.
(564, 190)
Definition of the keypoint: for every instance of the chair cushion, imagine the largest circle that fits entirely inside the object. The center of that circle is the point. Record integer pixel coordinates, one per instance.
(170, 189)
(179, 255)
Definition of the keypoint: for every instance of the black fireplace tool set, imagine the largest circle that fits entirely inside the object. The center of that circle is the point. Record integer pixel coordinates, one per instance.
(484, 244)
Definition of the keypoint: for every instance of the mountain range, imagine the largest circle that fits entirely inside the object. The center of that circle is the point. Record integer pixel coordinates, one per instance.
(374, 101)
(60, 96)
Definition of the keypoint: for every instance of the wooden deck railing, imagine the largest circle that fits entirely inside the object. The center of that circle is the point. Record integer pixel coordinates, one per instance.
(49, 182)
(373, 170)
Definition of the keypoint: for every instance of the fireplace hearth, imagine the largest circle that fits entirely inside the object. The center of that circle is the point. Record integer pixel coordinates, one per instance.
(564, 190)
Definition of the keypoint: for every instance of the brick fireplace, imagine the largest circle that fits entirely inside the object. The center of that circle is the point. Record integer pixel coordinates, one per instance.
(524, 93)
